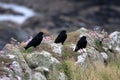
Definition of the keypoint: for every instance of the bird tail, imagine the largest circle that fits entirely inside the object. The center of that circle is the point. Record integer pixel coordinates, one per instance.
(76, 49)
(55, 41)
(26, 47)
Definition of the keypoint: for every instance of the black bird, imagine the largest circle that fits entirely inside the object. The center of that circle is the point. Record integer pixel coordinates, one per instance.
(35, 41)
(82, 43)
(61, 37)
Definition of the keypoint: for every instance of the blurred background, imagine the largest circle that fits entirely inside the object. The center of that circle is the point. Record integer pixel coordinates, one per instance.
(21, 19)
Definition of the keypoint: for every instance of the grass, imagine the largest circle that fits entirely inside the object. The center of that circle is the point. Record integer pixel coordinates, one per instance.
(93, 71)
(70, 38)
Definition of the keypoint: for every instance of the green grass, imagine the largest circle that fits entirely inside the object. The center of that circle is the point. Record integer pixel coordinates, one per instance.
(29, 50)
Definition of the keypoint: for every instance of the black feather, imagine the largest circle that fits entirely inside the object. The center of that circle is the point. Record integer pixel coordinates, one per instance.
(35, 41)
(82, 43)
(61, 37)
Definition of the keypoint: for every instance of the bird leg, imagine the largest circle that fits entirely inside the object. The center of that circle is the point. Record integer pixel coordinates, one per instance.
(80, 51)
(84, 50)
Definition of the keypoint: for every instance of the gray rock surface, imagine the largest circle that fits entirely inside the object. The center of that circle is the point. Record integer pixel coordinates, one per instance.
(43, 58)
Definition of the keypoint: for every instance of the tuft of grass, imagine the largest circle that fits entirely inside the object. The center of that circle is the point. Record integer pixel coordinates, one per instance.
(29, 50)
(67, 70)
(68, 53)
(93, 71)
(98, 45)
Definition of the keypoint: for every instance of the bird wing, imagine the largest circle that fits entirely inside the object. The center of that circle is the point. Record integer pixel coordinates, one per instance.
(61, 38)
(64, 38)
(29, 44)
(58, 39)
(82, 43)
(34, 42)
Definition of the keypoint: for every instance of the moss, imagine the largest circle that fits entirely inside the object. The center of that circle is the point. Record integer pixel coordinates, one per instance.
(67, 71)
(29, 50)
(65, 67)
(26, 76)
(98, 45)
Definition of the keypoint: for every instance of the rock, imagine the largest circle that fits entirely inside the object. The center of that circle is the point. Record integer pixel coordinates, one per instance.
(82, 30)
(4, 78)
(57, 48)
(81, 58)
(19, 66)
(104, 55)
(38, 76)
(115, 40)
(72, 46)
(61, 76)
(93, 54)
(15, 66)
(6, 73)
(42, 69)
(45, 71)
(43, 59)
(105, 58)
(47, 39)
(117, 49)
(11, 56)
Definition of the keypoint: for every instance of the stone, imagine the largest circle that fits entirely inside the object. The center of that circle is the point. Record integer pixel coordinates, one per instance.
(18, 67)
(38, 76)
(104, 55)
(115, 40)
(43, 59)
(81, 58)
(57, 48)
(61, 76)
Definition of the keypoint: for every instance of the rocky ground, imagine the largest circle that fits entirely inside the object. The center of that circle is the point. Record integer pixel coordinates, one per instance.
(50, 61)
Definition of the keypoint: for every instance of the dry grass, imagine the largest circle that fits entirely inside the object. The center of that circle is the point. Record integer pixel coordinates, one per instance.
(95, 71)
(73, 37)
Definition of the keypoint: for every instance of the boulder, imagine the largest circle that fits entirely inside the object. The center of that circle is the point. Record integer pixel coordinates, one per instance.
(44, 59)
(38, 76)
(18, 65)
(81, 58)
(57, 48)
(115, 40)
(61, 76)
